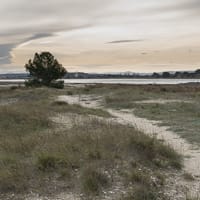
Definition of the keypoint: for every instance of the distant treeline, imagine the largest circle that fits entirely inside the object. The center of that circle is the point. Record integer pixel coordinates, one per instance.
(195, 74)
(81, 75)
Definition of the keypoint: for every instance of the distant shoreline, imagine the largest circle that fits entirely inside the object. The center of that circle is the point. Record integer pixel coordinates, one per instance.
(124, 81)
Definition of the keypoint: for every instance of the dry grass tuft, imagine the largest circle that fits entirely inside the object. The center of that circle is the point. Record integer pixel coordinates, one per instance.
(33, 153)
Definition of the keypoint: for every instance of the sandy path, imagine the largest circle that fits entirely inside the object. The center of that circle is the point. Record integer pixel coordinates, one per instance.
(191, 157)
(8, 101)
(162, 101)
(191, 154)
(62, 196)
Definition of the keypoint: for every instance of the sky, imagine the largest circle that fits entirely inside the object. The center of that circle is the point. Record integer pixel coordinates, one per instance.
(102, 35)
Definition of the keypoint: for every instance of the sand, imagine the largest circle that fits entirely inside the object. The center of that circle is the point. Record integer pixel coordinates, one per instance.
(191, 153)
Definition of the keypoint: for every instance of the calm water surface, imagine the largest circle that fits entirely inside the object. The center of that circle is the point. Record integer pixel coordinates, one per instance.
(116, 81)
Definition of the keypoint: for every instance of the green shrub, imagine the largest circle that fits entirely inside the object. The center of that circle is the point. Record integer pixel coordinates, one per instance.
(46, 162)
(139, 176)
(14, 178)
(50, 162)
(33, 83)
(93, 180)
(142, 192)
(57, 84)
(45, 69)
(60, 103)
(69, 93)
(188, 176)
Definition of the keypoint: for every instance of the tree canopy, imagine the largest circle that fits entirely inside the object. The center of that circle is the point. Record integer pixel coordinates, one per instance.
(44, 69)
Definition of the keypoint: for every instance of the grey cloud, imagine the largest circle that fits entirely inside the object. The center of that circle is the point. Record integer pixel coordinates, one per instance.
(191, 5)
(52, 13)
(124, 41)
(5, 60)
(5, 53)
(22, 20)
(5, 49)
(144, 53)
(186, 7)
(39, 35)
(38, 19)
(38, 31)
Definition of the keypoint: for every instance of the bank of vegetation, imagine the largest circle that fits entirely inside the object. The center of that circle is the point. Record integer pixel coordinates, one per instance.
(89, 159)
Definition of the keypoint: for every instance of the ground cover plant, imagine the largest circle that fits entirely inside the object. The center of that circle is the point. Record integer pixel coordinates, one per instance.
(86, 159)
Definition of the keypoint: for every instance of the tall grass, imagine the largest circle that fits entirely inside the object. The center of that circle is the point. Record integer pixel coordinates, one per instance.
(77, 151)
(87, 158)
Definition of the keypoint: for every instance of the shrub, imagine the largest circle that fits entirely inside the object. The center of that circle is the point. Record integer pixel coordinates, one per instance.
(45, 70)
(60, 103)
(188, 176)
(93, 180)
(57, 84)
(139, 176)
(33, 83)
(14, 178)
(143, 193)
(46, 162)
(69, 93)
(49, 162)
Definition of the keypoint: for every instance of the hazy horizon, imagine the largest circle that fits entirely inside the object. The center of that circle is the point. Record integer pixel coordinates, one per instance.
(102, 36)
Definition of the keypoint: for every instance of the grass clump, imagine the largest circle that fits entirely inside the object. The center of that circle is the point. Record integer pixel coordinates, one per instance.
(50, 162)
(59, 103)
(188, 177)
(33, 150)
(14, 177)
(23, 119)
(78, 150)
(183, 118)
(158, 153)
(62, 106)
(143, 193)
(93, 180)
(139, 176)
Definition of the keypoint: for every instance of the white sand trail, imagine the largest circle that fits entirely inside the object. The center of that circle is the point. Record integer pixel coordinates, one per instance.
(190, 153)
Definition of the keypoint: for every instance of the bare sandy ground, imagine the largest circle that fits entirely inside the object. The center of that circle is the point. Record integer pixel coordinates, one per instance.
(190, 153)
(62, 196)
(8, 101)
(176, 187)
(162, 101)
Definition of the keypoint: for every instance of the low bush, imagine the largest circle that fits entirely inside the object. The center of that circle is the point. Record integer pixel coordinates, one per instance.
(57, 84)
(139, 176)
(142, 193)
(93, 180)
(92, 155)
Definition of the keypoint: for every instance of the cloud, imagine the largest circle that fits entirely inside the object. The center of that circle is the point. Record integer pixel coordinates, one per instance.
(38, 36)
(5, 50)
(49, 15)
(191, 5)
(34, 37)
(23, 21)
(144, 53)
(78, 26)
(186, 7)
(124, 41)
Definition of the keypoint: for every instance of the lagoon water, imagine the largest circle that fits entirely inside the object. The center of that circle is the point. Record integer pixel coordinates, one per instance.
(114, 81)
(133, 81)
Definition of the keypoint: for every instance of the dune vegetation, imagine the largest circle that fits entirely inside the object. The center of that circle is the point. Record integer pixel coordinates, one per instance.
(89, 159)
(176, 106)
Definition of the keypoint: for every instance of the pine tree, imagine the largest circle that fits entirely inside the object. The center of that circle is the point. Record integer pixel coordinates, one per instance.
(45, 70)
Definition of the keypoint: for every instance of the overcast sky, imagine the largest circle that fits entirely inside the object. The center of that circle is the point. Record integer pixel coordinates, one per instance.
(102, 35)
